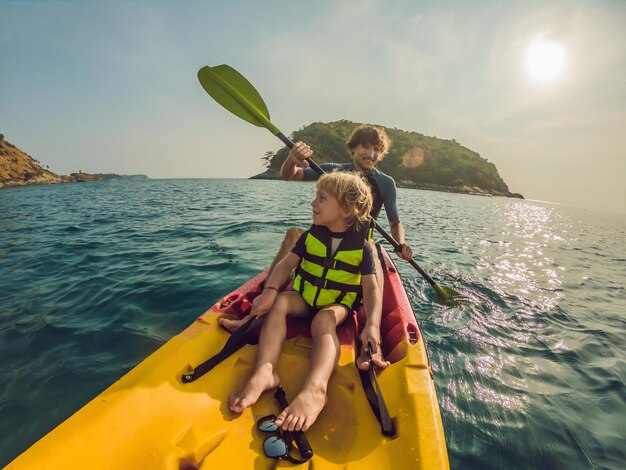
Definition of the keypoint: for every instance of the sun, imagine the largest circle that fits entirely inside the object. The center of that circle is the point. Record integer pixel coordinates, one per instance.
(544, 60)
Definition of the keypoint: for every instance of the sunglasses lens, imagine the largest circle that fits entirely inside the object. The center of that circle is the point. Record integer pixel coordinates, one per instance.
(275, 447)
(267, 424)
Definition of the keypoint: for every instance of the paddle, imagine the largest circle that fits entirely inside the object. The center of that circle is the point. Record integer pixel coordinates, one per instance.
(235, 93)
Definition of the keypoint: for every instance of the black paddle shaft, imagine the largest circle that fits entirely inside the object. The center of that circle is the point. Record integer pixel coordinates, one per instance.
(396, 246)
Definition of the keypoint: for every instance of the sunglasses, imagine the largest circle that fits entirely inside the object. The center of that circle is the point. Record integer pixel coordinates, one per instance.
(279, 445)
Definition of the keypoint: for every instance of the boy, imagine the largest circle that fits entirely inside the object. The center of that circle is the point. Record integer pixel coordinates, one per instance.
(335, 267)
(367, 145)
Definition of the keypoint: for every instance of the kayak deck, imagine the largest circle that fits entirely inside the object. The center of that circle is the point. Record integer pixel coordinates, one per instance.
(150, 419)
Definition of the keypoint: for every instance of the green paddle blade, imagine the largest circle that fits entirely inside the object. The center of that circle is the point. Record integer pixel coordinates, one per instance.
(447, 295)
(235, 93)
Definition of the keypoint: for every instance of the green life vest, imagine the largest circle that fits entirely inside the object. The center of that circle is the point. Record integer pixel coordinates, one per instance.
(324, 280)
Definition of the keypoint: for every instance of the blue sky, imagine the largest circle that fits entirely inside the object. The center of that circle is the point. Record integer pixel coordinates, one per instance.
(111, 86)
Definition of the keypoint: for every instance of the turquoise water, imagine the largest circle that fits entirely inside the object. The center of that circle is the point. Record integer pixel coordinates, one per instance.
(529, 373)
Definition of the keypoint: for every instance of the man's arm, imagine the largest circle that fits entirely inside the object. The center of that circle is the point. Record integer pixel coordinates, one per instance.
(397, 232)
(397, 229)
(290, 172)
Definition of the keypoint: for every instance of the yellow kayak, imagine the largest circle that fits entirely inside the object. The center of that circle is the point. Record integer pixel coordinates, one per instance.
(150, 419)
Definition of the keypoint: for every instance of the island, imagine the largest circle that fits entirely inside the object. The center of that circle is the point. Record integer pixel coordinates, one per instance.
(414, 160)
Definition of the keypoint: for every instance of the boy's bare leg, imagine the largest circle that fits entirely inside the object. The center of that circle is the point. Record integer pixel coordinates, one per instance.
(289, 241)
(264, 377)
(307, 405)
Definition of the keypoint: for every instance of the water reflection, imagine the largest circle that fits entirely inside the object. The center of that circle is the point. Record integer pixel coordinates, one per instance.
(517, 263)
(513, 365)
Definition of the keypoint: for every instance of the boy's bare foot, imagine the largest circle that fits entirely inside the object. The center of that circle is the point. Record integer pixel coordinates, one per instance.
(232, 324)
(303, 410)
(363, 361)
(263, 378)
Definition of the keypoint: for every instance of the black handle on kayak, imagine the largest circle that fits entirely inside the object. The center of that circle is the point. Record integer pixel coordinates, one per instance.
(301, 441)
(234, 343)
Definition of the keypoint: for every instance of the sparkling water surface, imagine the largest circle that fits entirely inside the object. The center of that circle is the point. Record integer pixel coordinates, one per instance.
(529, 371)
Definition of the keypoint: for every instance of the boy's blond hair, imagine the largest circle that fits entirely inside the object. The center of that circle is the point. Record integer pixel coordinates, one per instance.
(352, 193)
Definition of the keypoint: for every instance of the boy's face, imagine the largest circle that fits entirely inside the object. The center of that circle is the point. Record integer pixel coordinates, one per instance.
(327, 211)
(366, 156)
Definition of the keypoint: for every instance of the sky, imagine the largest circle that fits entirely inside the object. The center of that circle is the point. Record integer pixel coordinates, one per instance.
(536, 87)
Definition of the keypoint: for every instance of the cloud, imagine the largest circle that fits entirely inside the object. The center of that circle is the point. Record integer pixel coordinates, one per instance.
(365, 62)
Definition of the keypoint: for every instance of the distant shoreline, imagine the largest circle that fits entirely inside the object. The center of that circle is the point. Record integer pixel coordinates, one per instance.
(17, 168)
(85, 178)
(473, 191)
(47, 179)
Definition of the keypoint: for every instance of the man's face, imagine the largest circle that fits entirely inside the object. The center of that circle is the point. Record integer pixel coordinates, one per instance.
(366, 156)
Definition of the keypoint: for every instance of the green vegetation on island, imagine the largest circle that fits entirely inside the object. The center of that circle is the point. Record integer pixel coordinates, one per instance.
(414, 160)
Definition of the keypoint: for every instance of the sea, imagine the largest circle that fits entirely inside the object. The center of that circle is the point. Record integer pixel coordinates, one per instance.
(529, 370)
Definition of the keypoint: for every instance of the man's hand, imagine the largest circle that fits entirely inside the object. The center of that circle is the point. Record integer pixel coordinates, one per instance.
(299, 153)
(406, 252)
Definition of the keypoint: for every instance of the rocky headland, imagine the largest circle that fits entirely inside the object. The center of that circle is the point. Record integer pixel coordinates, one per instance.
(17, 168)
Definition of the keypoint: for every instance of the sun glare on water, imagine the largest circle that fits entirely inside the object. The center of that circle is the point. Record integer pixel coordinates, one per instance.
(544, 60)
